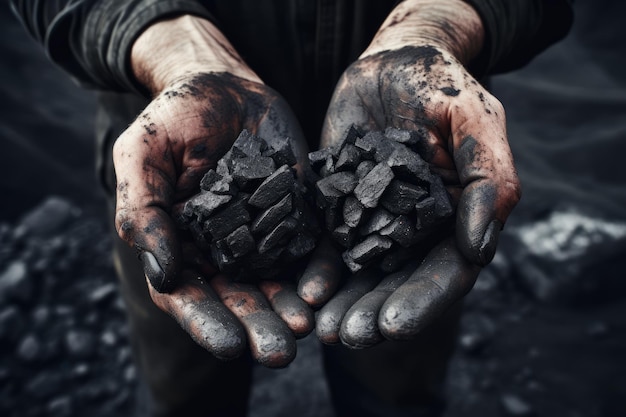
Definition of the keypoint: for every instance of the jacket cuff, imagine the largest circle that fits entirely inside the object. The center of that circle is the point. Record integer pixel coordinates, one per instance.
(102, 43)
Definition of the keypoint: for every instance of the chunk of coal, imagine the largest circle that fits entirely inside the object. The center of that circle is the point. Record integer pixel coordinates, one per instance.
(425, 210)
(364, 168)
(408, 165)
(209, 179)
(344, 235)
(265, 260)
(301, 245)
(317, 159)
(284, 229)
(205, 203)
(352, 265)
(281, 152)
(352, 211)
(275, 187)
(348, 159)
(224, 186)
(222, 168)
(401, 230)
(329, 166)
(379, 219)
(350, 137)
(247, 144)
(327, 195)
(228, 219)
(400, 197)
(248, 169)
(369, 143)
(344, 182)
(407, 137)
(269, 218)
(372, 186)
(369, 248)
(224, 261)
(240, 242)
(443, 205)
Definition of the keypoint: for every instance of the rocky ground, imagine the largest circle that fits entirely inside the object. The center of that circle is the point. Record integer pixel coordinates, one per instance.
(539, 337)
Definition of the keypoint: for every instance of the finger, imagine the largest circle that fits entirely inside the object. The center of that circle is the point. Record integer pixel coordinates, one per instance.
(292, 309)
(359, 327)
(198, 310)
(329, 318)
(322, 276)
(487, 173)
(444, 277)
(145, 176)
(272, 343)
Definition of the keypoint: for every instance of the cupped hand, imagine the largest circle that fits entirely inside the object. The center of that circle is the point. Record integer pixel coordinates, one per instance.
(424, 88)
(159, 162)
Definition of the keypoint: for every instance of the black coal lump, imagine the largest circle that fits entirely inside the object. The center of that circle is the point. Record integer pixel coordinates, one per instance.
(397, 201)
(254, 219)
(276, 186)
(270, 217)
(372, 186)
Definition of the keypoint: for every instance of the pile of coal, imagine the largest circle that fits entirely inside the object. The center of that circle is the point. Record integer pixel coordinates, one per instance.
(379, 197)
(252, 213)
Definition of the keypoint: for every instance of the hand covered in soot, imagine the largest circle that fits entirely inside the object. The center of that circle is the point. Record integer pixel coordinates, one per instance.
(413, 77)
(204, 96)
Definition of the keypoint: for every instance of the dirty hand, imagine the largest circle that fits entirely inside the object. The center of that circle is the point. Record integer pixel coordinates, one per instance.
(204, 96)
(413, 77)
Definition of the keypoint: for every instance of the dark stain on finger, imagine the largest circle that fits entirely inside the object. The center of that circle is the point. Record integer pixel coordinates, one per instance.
(450, 91)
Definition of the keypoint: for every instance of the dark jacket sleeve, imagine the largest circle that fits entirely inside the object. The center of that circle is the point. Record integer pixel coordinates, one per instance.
(518, 30)
(91, 39)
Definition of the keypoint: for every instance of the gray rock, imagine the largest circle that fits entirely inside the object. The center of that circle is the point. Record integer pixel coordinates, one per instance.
(80, 343)
(269, 218)
(60, 407)
(29, 349)
(280, 183)
(369, 248)
(15, 282)
(371, 187)
(353, 211)
(514, 405)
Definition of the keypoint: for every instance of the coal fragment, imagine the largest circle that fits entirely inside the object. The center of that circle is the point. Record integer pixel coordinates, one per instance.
(247, 144)
(326, 193)
(205, 203)
(344, 182)
(369, 248)
(281, 152)
(352, 265)
(400, 230)
(364, 168)
(408, 165)
(209, 179)
(372, 186)
(379, 219)
(251, 169)
(300, 245)
(348, 159)
(443, 205)
(283, 230)
(240, 242)
(317, 159)
(224, 260)
(344, 235)
(269, 218)
(369, 143)
(273, 188)
(425, 211)
(352, 211)
(228, 219)
(329, 166)
(401, 197)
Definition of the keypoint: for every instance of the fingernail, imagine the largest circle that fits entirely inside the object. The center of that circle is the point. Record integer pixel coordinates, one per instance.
(153, 271)
(489, 243)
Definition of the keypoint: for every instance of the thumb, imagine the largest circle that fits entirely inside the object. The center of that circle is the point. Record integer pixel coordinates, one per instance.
(145, 189)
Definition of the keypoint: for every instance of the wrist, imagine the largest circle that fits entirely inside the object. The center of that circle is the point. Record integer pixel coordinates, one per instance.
(171, 49)
(451, 25)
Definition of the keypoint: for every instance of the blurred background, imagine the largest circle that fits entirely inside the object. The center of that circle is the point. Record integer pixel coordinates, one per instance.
(545, 328)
